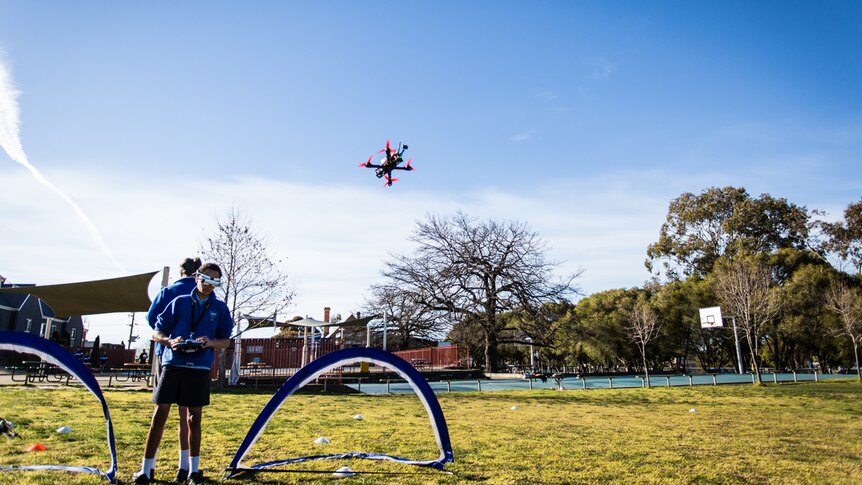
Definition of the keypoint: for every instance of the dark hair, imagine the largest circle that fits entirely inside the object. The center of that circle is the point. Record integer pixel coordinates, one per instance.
(189, 266)
(211, 266)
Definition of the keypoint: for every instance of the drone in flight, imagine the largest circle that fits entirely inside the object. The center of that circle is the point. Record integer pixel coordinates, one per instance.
(392, 161)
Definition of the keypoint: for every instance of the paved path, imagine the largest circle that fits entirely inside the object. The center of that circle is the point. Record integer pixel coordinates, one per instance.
(105, 380)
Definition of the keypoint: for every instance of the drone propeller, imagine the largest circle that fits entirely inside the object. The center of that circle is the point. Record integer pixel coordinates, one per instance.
(367, 163)
(389, 181)
(408, 167)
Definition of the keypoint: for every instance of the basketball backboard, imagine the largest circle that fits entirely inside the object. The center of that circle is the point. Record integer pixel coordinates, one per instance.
(710, 317)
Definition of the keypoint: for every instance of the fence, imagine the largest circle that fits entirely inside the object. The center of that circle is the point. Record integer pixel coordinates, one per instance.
(275, 357)
(573, 383)
(279, 358)
(434, 356)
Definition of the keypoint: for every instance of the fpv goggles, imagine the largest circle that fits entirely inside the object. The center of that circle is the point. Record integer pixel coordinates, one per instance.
(208, 280)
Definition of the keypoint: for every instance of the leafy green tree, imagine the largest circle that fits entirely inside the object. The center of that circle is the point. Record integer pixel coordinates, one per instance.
(678, 304)
(800, 330)
(544, 329)
(699, 229)
(467, 334)
(845, 237)
(565, 338)
(601, 319)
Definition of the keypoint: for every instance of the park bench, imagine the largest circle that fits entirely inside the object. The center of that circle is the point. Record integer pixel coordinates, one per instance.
(34, 371)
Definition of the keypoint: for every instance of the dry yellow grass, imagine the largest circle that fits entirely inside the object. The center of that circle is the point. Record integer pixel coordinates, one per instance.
(791, 433)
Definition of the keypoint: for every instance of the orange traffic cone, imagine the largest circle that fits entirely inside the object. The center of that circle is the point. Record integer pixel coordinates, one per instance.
(37, 447)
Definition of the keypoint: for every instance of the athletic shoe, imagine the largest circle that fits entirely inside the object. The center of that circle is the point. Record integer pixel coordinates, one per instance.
(141, 478)
(182, 476)
(196, 478)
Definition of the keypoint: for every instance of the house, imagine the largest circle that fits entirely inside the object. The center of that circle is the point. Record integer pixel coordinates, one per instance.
(28, 313)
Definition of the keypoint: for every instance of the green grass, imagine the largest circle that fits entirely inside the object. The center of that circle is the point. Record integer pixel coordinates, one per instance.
(790, 433)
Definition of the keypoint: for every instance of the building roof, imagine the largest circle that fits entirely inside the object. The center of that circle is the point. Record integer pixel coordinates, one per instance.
(124, 294)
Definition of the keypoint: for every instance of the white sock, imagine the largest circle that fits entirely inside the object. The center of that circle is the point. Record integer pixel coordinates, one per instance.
(149, 466)
(184, 459)
(194, 462)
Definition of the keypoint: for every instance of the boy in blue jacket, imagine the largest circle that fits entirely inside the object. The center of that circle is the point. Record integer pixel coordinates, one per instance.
(180, 287)
(190, 327)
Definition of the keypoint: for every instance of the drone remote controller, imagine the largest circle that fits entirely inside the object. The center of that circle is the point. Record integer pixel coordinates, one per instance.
(190, 346)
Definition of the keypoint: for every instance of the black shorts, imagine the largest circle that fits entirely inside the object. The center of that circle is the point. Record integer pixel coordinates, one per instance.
(185, 387)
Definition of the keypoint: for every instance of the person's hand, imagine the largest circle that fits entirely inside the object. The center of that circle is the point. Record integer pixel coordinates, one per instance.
(204, 340)
(172, 343)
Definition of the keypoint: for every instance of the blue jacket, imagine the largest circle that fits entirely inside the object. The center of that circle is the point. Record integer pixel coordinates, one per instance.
(187, 317)
(182, 286)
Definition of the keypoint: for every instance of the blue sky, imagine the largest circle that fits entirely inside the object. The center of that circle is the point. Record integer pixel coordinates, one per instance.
(583, 119)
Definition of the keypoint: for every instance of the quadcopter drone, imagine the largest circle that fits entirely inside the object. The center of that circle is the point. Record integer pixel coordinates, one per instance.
(390, 163)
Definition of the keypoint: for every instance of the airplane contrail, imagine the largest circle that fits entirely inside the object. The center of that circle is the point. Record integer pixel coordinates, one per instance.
(10, 140)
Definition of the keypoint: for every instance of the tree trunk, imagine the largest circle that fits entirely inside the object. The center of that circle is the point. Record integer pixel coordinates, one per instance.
(856, 354)
(756, 367)
(490, 352)
(753, 351)
(646, 367)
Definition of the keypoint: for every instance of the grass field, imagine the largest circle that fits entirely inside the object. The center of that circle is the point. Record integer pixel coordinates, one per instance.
(789, 433)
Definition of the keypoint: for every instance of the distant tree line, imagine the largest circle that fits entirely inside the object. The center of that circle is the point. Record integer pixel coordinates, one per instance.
(790, 279)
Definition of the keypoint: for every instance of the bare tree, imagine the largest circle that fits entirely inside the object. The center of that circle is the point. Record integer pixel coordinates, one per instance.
(409, 317)
(744, 286)
(847, 303)
(476, 272)
(252, 281)
(643, 327)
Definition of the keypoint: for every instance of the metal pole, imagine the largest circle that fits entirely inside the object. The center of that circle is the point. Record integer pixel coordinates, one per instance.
(736, 340)
(304, 345)
(131, 330)
(385, 324)
(166, 273)
(155, 360)
(237, 350)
